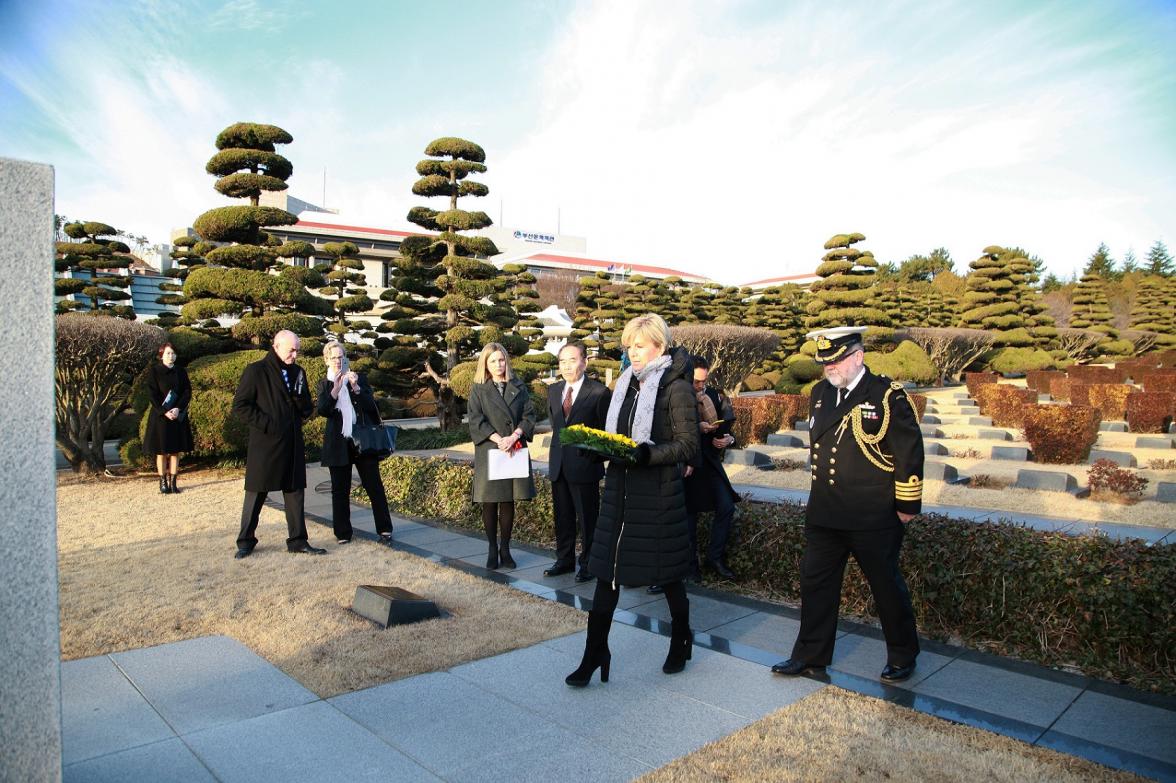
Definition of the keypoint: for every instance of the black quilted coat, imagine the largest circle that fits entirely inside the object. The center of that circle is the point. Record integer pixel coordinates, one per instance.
(641, 533)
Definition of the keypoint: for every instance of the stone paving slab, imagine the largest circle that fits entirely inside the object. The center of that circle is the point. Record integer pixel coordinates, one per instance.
(705, 613)
(865, 657)
(101, 712)
(1139, 728)
(1005, 693)
(200, 683)
(168, 760)
(311, 742)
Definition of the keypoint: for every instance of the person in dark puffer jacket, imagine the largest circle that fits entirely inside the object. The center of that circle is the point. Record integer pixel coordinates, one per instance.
(641, 534)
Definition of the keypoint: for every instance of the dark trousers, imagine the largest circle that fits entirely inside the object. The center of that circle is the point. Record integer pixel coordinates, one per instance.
(368, 469)
(724, 518)
(574, 502)
(822, 568)
(295, 518)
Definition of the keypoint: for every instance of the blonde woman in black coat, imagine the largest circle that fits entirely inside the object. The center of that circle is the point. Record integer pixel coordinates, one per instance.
(501, 417)
(345, 399)
(169, 433)
(641, 534)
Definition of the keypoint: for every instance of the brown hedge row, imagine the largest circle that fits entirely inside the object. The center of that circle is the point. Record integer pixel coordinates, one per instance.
(1004, 402)
(1059, 388)
(1150, 411)
(1040, 379)
(1110, 398)
(1156, 380)
(974, 380)
(768, 414)
(1060, 434)
(1096, 374)
(1079, 392)
(1106, 606)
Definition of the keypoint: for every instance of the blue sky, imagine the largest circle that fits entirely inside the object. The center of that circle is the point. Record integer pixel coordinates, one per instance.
(728, 139)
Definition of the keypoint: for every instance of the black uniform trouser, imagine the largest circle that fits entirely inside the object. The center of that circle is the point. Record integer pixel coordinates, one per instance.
(295, 518)
(368, 469)
(572, 503)
(724, 518)
(822, 568)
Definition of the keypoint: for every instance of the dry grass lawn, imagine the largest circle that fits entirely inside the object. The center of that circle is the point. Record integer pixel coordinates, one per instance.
(139, 569)
(835, 735)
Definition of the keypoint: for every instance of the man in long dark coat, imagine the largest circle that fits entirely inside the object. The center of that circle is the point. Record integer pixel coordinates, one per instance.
(575, 475)
(707, 486)
(273, 398)
(866, 451)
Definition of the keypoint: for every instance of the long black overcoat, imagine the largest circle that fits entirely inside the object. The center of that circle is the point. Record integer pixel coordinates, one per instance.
(277, 455)
(574, 465)
(491, 412)
(641, 534)
(337, 449)
(700, 486)
(164, 435)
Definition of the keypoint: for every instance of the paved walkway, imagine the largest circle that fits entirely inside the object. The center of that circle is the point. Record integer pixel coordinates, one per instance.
(208, 709)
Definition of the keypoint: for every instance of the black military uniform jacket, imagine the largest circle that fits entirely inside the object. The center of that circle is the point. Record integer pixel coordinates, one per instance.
(866, 455)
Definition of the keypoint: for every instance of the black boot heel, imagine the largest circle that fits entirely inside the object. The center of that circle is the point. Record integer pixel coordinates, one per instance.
(681, 650)
(164, 487)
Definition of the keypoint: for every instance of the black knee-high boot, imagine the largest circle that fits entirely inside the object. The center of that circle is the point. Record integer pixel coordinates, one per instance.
(505, 528)
(164, 486)
(596, 652)
(490, 525)
(681, 637)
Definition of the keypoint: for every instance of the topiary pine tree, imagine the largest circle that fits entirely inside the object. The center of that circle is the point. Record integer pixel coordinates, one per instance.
(992, 299)
(1038, 321)
(343, 283)
(90, 254)
(235, 278)
(464, 279)
(598, 319)
(1153, 310)
(520, 293)
(1091, 311)
(843, 296)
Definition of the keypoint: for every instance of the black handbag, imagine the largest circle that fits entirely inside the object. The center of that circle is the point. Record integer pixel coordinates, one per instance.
(374, 440)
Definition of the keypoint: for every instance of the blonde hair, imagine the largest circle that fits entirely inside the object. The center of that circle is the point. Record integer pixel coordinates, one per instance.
(330, 345)
(481, 374)
(650, 326)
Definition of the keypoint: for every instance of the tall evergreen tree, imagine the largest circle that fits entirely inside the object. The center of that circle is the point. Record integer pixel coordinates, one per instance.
(344, 283)
(1101, 264)
(1091, 311)
(843, 295)
(992, 299)
(1159, 260)
(1154, 310)
(1038, 321)
(91, 253)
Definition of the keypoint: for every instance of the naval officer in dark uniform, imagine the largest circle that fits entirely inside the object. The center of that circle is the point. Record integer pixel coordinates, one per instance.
(866, 451)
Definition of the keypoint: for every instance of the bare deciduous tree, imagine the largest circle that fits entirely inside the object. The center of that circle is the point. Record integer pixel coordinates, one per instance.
(98, 357)
(1081, 345)
(733, 351)
(952, 350)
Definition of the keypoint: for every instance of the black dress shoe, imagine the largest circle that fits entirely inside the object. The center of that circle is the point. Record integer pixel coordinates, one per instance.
(243, 552)
(722, 569)
(583, 576)
(898, 673)
(305, 548)
(558, 570)
(655, 589)
(792, 667)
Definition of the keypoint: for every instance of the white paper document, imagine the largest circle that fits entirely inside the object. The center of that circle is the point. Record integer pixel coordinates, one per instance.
(508, 465)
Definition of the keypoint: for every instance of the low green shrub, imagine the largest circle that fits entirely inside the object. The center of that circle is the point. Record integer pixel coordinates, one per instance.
(803, 369)
(430, 438)
(191, 344)
(1106, 606)
(756, 383)
(1017, 361)
(1060, 434)
(907, 362)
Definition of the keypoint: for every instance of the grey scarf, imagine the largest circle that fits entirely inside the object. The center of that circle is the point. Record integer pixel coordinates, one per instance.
(649, 377)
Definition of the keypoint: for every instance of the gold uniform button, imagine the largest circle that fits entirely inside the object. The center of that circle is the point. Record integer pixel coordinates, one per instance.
(818, 445)
(830, 481)
(834, 449)
(832, 471)
(832, 460)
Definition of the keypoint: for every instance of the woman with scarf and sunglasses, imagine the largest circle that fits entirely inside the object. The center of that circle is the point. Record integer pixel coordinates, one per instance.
(641, 534)
(344, 397)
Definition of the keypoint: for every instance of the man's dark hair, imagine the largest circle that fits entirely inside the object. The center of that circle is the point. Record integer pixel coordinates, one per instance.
(700, 363)
(579, 346)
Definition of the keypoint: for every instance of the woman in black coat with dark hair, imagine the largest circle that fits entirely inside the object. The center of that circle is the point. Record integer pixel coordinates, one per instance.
(641, 534)
(345, 399)
(169, 433)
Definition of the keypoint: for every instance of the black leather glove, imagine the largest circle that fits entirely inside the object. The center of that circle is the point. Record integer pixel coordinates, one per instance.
(641, 455)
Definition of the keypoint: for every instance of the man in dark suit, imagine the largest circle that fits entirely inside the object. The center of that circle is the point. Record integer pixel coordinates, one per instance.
(707, 486)
(866, 451)
(273, 398)
(575, 475)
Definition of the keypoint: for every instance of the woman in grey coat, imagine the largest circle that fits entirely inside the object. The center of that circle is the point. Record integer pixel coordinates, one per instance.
(642, 535)
(501, 418)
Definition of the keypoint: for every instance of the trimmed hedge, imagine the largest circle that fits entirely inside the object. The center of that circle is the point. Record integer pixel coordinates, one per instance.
(769, 414)
(1150, 411)
(1040, 379)
(1079, 393)
(1059, 388)
(1106, 606)
(974, 380)
(1096, 374)
(1060, 434)
(1110, 398)
(1004, 403)
(1156, 380)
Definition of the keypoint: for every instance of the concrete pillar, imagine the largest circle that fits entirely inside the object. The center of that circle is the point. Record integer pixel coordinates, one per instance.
(30, 653)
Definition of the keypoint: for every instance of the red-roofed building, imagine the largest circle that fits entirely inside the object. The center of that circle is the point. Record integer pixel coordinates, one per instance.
(804, 281)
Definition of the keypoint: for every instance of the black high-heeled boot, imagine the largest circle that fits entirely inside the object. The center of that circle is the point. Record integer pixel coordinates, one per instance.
(175, 489)
(504, 555)
(164, 487)
(596, 653)
(681, 645)
(505, 528)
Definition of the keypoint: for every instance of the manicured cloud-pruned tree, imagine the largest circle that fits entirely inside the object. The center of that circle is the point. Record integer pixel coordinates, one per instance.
(97, 358)
(238, 254)
(992, 300)
(1091, 311)
(92, 252)
(520, 293)
(464, 279)
(844, 294)
(1038, 321)
(1154, 310)
(733, 351)
(781, 309)
(1159, 260)
(343, 283)
(598, 318)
